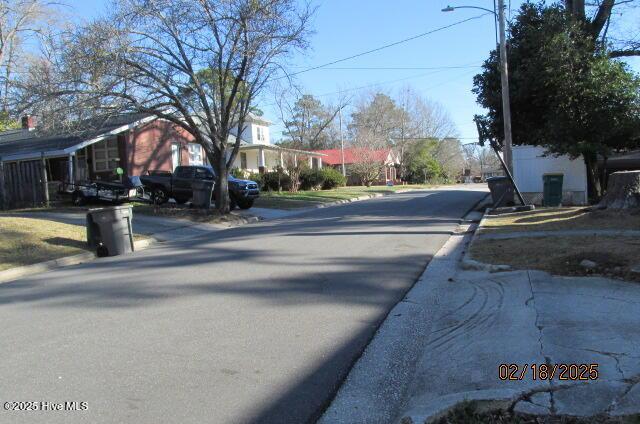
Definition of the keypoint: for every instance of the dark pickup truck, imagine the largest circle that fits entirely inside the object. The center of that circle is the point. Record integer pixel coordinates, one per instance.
(163, 185)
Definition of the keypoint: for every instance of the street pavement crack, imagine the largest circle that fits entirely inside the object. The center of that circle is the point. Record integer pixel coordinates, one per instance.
(532, 303)
(610, 355)
(632, 382)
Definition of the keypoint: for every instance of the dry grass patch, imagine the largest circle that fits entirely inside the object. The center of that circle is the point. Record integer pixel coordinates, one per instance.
(550, 219)
(562, 255)
(25, 241)
(172, 210)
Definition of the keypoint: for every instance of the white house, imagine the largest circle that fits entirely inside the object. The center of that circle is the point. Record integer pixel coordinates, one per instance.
(257, 154)
(530, 165)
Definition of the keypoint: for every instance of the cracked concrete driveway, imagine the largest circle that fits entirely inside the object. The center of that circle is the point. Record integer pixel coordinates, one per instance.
(529, 317)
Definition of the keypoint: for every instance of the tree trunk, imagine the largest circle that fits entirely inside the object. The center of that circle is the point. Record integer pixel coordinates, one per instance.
(623, 191)
(221, 189)
(593, 181)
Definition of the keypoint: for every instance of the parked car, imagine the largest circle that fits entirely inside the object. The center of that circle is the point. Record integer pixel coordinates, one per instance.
(164, 185)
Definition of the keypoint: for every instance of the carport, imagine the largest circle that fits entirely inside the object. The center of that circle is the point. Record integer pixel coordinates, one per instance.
(31, 165)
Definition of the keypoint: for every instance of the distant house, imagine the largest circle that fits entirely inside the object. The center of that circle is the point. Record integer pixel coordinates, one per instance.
(386, 157)
(136, 143)
(530, 165)
(491, 172)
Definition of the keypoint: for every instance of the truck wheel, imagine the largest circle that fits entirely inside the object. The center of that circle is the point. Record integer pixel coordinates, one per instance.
(232, 203)
(159, 196)
(245, 204)
(78, 198)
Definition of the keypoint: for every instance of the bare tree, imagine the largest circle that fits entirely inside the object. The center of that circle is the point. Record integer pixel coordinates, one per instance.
(480, 159)
(199, 64)
(377, 114)
(448, 152)
(367, 162)
(597, 18)
(22, 22)
(421, 119)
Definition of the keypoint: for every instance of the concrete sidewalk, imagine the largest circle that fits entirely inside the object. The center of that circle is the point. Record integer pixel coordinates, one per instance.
(444, 343)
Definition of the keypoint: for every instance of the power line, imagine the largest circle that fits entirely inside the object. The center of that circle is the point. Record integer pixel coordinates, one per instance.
(399, 80)
(457, 77)
(386, 46)
(382, 68)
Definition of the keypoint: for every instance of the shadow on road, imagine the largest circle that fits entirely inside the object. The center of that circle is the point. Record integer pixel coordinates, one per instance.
(300, 260)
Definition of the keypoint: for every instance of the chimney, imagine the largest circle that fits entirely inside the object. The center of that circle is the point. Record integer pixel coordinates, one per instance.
(28, 122)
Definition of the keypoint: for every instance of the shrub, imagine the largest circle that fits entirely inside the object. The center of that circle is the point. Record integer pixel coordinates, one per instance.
(332, 178)
(276, 181)
(311, 179)
(239, 173)
(256, 177)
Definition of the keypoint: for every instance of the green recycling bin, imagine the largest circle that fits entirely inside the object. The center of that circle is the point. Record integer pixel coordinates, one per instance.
(552, 189)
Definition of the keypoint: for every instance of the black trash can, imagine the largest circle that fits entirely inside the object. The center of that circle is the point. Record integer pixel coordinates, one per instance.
(202, 193)
(109, 230)
(501, 191)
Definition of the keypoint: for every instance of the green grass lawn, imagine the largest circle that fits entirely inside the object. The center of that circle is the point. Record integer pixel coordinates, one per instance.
(306, 198)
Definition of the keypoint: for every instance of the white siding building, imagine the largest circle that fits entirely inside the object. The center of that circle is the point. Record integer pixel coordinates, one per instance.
(530, 165)
(257, 154)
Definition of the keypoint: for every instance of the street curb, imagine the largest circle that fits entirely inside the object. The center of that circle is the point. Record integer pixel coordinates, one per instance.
(243, 220)
(380, 395)
(367, 197)
(469, 264)
(12, 274)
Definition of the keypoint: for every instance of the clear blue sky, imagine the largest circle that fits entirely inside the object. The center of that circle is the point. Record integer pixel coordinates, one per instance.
(346, 27)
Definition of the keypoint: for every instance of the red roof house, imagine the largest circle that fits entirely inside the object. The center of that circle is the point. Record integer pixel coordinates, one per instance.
(387, 157)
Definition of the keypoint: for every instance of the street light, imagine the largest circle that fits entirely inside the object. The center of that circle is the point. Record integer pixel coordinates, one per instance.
(504, 78)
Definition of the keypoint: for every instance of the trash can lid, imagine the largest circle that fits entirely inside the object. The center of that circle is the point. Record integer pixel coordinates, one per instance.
(110, 208)
(497, 178)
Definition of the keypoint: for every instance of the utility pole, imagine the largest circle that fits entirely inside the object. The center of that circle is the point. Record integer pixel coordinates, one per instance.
(344, 170)
(504, 79)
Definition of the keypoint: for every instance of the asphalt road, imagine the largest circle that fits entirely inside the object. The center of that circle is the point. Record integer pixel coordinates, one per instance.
(259, 323)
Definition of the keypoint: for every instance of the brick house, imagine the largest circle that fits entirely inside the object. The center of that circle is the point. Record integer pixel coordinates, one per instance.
(137, 143)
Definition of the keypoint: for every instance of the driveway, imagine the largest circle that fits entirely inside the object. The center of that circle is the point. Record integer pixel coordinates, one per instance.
(259, 323)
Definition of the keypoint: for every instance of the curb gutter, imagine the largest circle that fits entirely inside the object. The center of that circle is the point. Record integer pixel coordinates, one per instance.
(469, 264)
(12, 274)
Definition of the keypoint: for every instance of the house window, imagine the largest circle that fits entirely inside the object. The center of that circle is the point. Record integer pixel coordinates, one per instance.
(105, 155)
(175, 155)
(195, 155)
(260, 133)
(243, 161)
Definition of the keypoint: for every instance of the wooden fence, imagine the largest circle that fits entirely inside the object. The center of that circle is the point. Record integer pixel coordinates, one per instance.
(23, 184)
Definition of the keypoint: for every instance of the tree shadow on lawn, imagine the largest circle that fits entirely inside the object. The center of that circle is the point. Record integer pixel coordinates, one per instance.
(66, 242)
